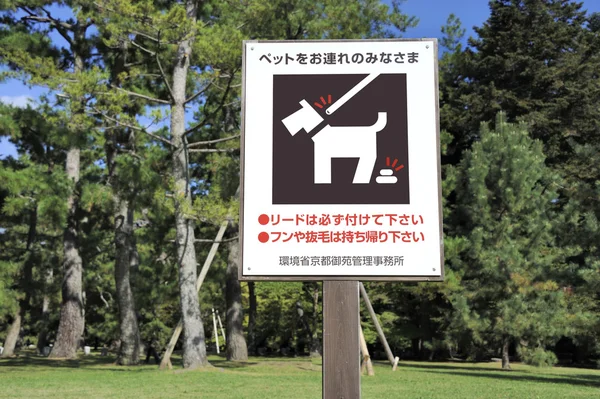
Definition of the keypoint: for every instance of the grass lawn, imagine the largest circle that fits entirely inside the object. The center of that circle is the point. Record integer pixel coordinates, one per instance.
(93, 377)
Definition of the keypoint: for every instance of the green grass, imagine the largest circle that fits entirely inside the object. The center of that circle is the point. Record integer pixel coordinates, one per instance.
(94, 377)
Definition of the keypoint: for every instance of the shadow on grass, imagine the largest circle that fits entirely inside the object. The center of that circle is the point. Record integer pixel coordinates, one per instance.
(588, 380)
(36, 361)
(449, 366)
(316, 368)
(32, 361)
(231, 365)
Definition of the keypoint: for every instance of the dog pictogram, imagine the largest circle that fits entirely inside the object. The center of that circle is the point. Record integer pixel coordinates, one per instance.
(339, 141)
(360, 126)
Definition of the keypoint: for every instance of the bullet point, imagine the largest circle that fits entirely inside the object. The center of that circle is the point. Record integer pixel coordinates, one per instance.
(263, 237)
(263, 219)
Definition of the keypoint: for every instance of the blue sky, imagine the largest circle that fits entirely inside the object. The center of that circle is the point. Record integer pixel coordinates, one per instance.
(432, 15)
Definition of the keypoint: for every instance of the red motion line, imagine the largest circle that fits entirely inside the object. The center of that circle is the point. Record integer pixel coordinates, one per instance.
(399, 167)
(319, 105)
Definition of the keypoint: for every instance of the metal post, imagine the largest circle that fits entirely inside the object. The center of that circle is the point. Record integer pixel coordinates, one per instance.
(341, 348)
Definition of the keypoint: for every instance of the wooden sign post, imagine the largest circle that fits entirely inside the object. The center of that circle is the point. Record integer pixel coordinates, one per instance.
(340, 177)
(341, 353)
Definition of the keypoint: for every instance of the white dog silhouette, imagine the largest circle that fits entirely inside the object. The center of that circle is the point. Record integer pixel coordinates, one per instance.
(347, 142)
(339, 141)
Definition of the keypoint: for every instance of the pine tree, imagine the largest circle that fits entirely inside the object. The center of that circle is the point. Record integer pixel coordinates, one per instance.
(534, 60)
(68, 71)
(505, 210)
(125, 178)
(199, 63)
(539, 61)
(33, 212)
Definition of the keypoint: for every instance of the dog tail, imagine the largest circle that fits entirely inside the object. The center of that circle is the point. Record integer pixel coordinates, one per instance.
(381, 121)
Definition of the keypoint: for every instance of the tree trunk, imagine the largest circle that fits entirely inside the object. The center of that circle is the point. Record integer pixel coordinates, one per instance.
(72, 310)
(14, 331)
(13, 335)
(129, 350)
(125, 247)
(43, 335)
(71, 325)
(251, 318)
(194, 347)
(25, 280)
(236, 343)
(315, 342)
(505, 359)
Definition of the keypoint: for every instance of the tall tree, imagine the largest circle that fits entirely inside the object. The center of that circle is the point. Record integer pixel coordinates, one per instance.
(64, 69)
(126, 258)
(194, 351)
(24, 283)
(32, 207)
(200, 46)
(513, 69)
(159, 40)
(124, 177)
(539, 61)
(505, 196)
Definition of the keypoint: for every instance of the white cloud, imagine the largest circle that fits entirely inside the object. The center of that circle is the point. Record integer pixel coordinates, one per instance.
(17, 101)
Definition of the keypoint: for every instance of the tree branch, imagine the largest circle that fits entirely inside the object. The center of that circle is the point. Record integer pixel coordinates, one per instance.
(134, 94)
(219, 107)
(192, 98)
(215, 242)
(61, 27)
(147, 36)
(132, 64)
(130, 152)
(141, 75)
(144, 49)
(164, 76)
(154, 136)
(199, 143)
(213, 150)
(58, 25)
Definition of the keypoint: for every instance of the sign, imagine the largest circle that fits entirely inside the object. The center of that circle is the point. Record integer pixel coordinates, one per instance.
(341, 161)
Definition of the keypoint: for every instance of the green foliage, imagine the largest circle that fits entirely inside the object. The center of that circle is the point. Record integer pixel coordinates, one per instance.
(453, 33)
(8, 296)
(510, 67)
(155, 332)
(538, 357)
(521, 215)
(505, 210)
(330, 19)
(277, 313)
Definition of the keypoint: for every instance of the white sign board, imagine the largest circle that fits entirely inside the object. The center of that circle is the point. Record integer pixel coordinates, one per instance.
(341, 161)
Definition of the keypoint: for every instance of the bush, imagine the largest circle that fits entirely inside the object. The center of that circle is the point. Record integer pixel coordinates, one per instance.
(538, 357)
